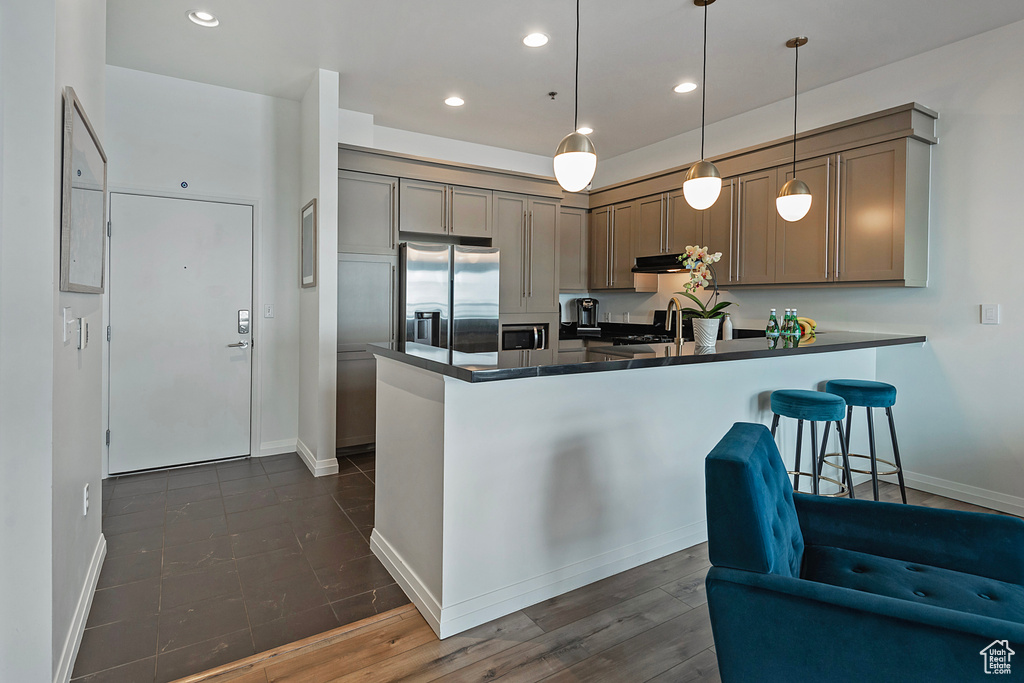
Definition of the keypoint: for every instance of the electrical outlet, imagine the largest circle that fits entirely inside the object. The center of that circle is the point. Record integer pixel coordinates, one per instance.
(990, 314)
(625, 317)
(85, 500)
(607, 317)
(268, 310)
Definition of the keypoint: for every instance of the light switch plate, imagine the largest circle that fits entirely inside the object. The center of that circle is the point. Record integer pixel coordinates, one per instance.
(268, 310)
(990, 314)
(69, 322)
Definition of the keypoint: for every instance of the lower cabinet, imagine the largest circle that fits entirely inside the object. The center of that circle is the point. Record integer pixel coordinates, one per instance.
(357, 399)
(367, 298)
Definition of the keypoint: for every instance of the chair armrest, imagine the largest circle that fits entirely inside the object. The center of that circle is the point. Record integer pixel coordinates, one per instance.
(771, 628)
(978, 543)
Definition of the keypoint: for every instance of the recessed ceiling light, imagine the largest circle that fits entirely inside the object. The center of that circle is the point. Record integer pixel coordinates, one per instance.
(685, 87)
(535, 40)
(202, 18)
(455, 101)
(585, 130)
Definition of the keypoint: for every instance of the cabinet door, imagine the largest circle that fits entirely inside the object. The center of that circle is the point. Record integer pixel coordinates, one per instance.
(756, 227)
(366, 213)
(542, 256)
(872, 198)
(802, 248)
(719, 228)
(509, 226)
(649, 236)
(623, 217)
(423, 207)
(600, 248)
(357, 400)
(366, 300)
(469, 211)
(685, 224)
(572, 250)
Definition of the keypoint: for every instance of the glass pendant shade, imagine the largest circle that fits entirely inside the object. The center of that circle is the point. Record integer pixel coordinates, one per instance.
(702, 185)
(794, 200)
(575, 162)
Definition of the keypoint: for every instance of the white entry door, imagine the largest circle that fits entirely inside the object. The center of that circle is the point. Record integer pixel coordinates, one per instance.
(180, 366)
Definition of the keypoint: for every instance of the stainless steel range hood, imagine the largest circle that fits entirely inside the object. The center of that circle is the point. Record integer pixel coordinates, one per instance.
(663, 263)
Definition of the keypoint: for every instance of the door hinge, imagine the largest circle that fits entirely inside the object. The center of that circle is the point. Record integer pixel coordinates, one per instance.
(108, 332)
(108, 437)
(108, 228)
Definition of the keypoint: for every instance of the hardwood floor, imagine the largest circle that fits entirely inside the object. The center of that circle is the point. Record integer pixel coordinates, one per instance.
(646, 625)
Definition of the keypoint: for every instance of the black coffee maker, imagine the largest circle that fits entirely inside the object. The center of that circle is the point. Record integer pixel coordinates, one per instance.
(586, 313)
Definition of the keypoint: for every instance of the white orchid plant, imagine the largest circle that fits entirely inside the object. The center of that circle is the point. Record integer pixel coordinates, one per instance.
(701, 264)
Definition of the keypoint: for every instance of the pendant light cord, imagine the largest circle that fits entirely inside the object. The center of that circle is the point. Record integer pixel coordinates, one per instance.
(704, 83)
(796, 83)
(576, 105)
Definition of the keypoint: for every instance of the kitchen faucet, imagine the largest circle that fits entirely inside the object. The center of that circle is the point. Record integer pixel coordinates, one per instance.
(675, 303)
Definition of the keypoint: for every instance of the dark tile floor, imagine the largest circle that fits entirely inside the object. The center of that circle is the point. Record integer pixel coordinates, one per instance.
(209, 564)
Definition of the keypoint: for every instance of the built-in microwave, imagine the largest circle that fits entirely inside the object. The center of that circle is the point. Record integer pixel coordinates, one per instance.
(530, 336)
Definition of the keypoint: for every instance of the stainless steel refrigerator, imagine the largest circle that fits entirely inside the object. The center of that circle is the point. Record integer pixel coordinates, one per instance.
(450, 296)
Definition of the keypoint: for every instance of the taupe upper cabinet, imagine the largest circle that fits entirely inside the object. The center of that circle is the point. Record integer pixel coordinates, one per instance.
(685, 224)
(439, 209)
(367, 212)
(868, 223)
(719, 231)
(805, 249)
(755, 227)
(872, 187)
(527, 235)
(613, 250)
(572, 250)
(649, 237)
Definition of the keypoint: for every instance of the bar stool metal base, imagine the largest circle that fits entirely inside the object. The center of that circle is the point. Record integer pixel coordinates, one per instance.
(882, 461)
(844, 490)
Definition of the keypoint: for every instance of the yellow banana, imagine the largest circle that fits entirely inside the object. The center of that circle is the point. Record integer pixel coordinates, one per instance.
(807, 339)
(810, 321)
(805, 327)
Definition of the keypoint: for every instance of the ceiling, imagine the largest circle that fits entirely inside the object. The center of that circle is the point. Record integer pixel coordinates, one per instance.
(399, 59)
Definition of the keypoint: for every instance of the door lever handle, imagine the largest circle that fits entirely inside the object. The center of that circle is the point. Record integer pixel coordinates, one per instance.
(239, 345)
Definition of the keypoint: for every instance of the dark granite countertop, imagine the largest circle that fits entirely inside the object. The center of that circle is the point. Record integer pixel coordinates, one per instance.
(487, 367)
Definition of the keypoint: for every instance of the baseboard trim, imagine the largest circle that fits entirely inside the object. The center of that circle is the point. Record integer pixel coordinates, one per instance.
(277, 447)
(966, 493)
(319, 468)
(451, 620)
(77, 629)
(415, 589)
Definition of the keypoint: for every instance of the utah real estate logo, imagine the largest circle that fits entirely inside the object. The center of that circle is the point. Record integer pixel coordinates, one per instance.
(997, 657)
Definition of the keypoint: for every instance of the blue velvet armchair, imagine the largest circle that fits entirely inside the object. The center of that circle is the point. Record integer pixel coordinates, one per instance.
(806, 588)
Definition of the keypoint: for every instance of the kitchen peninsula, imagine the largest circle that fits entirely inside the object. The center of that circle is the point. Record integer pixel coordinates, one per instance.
(499, 487)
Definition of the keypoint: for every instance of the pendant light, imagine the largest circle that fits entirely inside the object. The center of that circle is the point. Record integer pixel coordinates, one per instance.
(575, 159)
(794, 200)
(703, 182)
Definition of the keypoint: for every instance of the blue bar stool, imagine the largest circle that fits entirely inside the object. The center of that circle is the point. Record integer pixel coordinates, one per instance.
(869, 394)
(815, 407)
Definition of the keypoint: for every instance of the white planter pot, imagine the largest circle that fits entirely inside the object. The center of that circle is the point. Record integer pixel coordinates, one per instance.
(705, 331)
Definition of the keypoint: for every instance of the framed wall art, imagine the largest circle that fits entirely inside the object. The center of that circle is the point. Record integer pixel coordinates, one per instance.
(83, 214)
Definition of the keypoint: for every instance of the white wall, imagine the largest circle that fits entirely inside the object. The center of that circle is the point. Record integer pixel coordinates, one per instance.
(355, 128)
(78, 420)
(959, 405)
(226, 144)
(27, 250)
(318, 326)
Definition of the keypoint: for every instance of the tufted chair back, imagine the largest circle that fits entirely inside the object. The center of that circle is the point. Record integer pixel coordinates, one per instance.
(752, 524)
